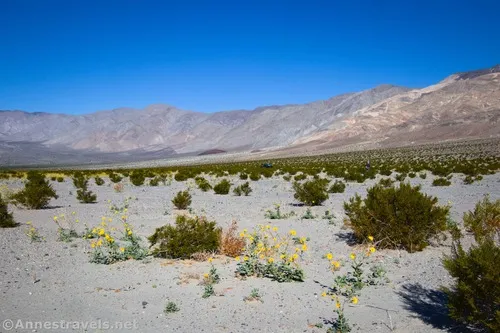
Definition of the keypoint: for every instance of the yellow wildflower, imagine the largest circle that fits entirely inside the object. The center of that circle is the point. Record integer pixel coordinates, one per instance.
(270, 260)
(337, 305)
(268, 227)
(275, 228)
(73, 213)
(304, 247)
(245, 258)
(293, 232)
(297, 249)
(354, 300)
(55, 218)
(210, 259)
(242, 234)
(77, 220)
(94, 230)
(122, 249)
(92, 245)
(28, 223)
(129, 232)
(329, 256)
(352, 256)
(245, 230)
(372, 249)
(205, 275)
(99, 242)
(262, 256)
(237, 258)
(323, 294)
(335, 264)
(282, 256)
(101, 232)
(370, 238)
(295, 256)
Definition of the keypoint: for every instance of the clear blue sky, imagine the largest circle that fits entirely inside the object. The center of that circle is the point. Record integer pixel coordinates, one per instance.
(77, 56)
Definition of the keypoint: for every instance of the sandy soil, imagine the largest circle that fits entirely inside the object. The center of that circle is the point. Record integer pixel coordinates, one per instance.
(54, 281)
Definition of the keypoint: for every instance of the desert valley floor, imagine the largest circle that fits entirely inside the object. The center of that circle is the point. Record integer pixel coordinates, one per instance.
(53, 280)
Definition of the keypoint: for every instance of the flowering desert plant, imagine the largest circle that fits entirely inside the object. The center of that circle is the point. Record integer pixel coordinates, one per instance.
(346, 286)
(66, 226)
(33, 233)
(269, 254)
(107, 250)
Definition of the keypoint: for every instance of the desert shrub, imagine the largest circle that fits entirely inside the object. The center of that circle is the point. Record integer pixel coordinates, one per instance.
(203, 184)
(441, 182)
(401, 177)
(99, 181)
(230, 243)
(37, 192)
(181, 176)
(243, 176)
(412, 175)
(182, 200)
(300, 177)
(222, 187)
(53, 178)
(287, 178)
(397, 216)
(189, 235)
(422, 175)
(254, 176)
(6, 218)
(337, 187)
(244, 189)
(484, 221)
(474, 298)
(79, 180)
(311, 193)
(85, 196)
(386, 182)
(137, 177)
(115, 178)
(154, 181)
(60, 179)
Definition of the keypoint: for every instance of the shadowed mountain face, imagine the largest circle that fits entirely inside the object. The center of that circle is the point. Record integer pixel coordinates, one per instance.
(463, 105)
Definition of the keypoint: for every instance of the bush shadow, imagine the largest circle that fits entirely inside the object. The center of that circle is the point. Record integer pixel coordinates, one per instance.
(430, 306)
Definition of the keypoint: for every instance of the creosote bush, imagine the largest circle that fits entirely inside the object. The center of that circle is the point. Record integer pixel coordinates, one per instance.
(484, 221)
(243, 189)
(441, 182)
(137, 177)
(203, 184)
(474, 298)
(312, 192)
(182, 200)
(37, 192)
(83, 194)
(399, 217)
(6, 218)
(222, 187)
(337, 187)
(115, 178)
(189, 235)
(99, 181)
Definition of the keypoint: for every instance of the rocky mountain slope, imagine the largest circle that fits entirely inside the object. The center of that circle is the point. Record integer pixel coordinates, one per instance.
(461, 106)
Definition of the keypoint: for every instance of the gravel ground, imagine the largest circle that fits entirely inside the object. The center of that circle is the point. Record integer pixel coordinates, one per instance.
(53, 281)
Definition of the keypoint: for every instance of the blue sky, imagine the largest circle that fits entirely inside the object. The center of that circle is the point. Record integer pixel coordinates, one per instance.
(76, 56)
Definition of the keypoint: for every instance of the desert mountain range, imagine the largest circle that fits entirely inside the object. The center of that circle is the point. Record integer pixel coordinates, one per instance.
(463, 105)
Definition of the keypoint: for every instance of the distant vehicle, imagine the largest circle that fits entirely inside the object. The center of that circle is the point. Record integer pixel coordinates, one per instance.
(267, 165)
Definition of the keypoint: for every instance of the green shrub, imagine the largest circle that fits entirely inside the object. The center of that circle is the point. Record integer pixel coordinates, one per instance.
(312, 192)
(397, 217)
(287, 178)
(441, 182)
(6, 218)
(243, 189)
(254, 176)
(53, 178)
(222, 187)
(37, 192)
(243, 176)
(137, 177)
(115, 178)
(85, 196)
(412, 175)
(337, 187)
(300, 177)
(60, 179)
(188, 236)
(79, 180)
(99, 181)
(484, 222)
(386, 182)
(154, 181)
(203, 184)
(401, 177)
(182, 200)
(422, 175)
(474, 298)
